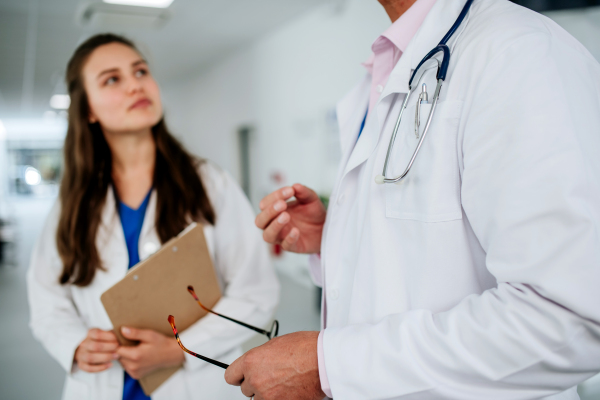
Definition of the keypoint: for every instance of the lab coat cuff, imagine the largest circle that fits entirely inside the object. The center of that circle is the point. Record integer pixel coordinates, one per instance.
(316, 272)
(322, 370)
(69, 345)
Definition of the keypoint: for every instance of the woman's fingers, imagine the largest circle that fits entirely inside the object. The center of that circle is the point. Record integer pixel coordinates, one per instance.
(95, 346)
(102, 336)
(94, 368)
(98, 358)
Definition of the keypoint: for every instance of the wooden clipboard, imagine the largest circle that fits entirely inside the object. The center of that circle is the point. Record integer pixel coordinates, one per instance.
(157, 287)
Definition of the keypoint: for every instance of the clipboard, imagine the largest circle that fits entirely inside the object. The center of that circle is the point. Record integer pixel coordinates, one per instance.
(157, 287)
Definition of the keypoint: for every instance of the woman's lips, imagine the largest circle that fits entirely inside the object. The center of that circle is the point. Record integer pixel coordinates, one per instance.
(143, 103)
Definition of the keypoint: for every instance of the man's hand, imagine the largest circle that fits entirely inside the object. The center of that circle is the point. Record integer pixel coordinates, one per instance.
(286, 367)
(154, 351)
(97, 351)
(298, 225)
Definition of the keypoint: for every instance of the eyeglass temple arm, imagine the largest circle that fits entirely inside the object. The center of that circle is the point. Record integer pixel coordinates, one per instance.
(261, 331)
(208, 360)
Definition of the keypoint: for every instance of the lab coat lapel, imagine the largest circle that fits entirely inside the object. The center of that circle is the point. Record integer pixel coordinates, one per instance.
(350, 112)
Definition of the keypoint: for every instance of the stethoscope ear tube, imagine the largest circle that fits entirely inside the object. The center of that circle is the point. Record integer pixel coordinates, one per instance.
(441, 77)
(442, 70)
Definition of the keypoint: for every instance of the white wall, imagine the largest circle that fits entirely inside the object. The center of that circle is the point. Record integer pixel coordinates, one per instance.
(286, 85)
(583, 24)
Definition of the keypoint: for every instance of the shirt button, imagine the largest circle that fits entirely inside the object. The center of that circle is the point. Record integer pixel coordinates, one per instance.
(379, 88)
(335, 294)
(341, 199)
(150, 248)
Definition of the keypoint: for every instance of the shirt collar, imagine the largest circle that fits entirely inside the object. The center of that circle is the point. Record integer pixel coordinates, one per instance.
(401, 32)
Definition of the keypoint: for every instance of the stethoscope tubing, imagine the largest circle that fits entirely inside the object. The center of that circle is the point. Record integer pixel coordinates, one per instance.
(441, 77)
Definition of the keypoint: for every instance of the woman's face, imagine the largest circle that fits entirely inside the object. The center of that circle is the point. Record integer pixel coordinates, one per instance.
(122, 95)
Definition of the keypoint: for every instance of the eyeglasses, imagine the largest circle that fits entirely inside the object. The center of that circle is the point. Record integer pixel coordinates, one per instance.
(269, 334)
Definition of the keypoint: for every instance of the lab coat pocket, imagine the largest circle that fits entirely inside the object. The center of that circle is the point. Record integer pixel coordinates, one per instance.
(431, 190)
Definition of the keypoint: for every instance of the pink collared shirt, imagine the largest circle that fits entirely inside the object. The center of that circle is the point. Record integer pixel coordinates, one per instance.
(387, 50)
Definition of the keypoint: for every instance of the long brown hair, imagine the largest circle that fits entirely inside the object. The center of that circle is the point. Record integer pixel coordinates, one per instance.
(87, 175)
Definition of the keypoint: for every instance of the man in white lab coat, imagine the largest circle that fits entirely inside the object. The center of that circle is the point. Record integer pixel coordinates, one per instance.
(478, 275)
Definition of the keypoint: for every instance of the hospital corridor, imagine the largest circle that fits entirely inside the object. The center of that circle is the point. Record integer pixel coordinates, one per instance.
(347, 199)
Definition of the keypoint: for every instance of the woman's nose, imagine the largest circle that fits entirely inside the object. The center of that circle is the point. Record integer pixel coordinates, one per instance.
(134, 85)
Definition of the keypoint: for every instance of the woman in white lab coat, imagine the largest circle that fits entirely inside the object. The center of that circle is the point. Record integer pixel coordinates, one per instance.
(119, 160)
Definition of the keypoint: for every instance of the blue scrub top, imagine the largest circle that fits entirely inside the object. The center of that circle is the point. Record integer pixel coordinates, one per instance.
(132, 221)
(362, 125)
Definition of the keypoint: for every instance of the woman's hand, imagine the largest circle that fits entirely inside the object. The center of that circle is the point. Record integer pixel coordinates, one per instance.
(298, 225)
(154, 351)
(97, 351)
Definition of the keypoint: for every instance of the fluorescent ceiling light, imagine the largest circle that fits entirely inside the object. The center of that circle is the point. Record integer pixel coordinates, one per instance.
(60, 101)
(32, 176)
(142, 3)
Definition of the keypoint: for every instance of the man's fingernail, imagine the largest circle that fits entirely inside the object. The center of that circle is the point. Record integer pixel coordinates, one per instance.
(283, 218)
(280, 205)
(294, 234)
(125, 330)
(287, 192)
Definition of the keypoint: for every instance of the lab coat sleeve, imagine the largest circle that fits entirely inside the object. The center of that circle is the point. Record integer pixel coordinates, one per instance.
(530, 140)
(54, 319)
(251, 288)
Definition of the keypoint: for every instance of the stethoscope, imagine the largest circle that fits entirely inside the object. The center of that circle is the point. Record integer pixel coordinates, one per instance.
(442, 69)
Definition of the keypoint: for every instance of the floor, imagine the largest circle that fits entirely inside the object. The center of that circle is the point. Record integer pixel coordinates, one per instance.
(28, 373)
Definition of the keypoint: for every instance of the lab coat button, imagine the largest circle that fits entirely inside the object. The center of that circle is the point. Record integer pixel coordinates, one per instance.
(150, 248)
(379, 88)
(335, 294)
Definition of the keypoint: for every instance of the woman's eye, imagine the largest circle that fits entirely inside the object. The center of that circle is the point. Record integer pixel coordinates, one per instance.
(141, 72)
(112, 80)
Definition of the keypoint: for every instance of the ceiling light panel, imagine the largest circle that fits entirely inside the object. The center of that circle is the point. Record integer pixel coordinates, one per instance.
(142, 3)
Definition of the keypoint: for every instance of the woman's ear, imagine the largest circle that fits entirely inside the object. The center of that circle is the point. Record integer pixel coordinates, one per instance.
(92, 118)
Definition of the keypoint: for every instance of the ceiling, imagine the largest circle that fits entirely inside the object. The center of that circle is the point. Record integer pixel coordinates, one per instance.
(37, 37)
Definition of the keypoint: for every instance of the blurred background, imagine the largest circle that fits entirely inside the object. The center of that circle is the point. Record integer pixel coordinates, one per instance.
(251, 85)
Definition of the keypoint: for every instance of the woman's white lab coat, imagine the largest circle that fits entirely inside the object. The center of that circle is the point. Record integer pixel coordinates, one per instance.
(478, 276)
(62, 315)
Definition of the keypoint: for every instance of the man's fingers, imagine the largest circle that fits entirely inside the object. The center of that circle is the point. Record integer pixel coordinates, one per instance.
(272, 211)
(272, 232)
(234, 375)
(280, 194)
(247, 389)
(103, 336)
(304, 194)
(291, 239)
(93, 368)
